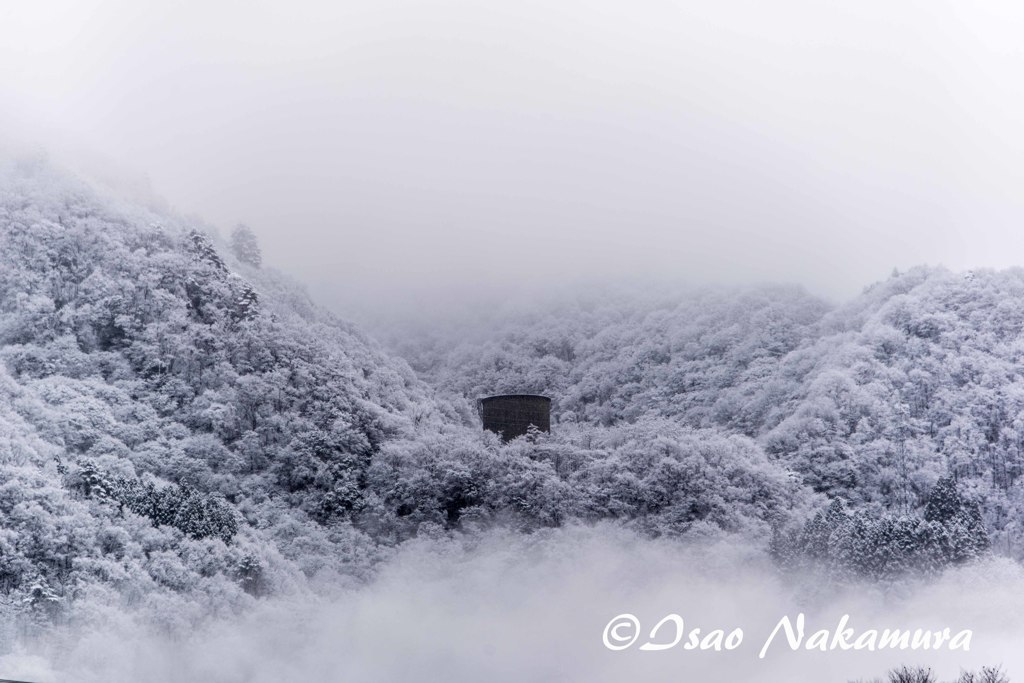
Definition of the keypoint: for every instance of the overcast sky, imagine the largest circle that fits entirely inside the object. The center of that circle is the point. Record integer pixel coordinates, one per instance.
(393, 150)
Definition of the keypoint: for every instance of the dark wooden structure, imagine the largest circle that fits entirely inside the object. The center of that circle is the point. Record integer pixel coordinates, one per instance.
(512, 414)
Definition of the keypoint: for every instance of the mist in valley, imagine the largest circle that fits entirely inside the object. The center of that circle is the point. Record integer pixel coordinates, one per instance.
(510, 607)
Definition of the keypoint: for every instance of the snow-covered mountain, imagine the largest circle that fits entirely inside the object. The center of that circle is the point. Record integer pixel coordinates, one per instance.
(183, 432)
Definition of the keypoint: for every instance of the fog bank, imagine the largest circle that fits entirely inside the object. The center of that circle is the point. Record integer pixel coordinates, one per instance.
(507, 607)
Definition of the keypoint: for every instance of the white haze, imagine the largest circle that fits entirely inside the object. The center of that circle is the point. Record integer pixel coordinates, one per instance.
(400, 152)
(506, 607)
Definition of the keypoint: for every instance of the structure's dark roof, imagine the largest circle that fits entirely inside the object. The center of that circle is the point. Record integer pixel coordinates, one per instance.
(488, 398)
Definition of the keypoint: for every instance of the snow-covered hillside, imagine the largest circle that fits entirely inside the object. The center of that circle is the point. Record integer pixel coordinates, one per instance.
(184, 434)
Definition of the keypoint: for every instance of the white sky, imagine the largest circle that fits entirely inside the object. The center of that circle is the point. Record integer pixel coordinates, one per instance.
(387, 151)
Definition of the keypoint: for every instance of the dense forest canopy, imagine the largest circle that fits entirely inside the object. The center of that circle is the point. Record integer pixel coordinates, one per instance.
(872, 401)
(181, 425)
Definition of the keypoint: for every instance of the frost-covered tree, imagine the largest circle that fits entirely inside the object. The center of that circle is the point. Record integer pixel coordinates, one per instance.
(245, 246)
(855, 543)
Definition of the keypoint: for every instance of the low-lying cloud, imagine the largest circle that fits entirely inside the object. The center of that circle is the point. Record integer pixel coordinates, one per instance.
(508, 607)
(403, 154)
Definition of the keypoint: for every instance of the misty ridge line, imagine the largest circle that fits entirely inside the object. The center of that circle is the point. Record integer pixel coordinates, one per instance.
(756, 145)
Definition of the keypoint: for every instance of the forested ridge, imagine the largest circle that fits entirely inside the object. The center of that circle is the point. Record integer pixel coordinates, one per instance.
(181, 428)
(872, 402)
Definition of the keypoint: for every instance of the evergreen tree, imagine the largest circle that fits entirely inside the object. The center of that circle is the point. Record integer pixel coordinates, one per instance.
(960, 516)
(245, 246)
